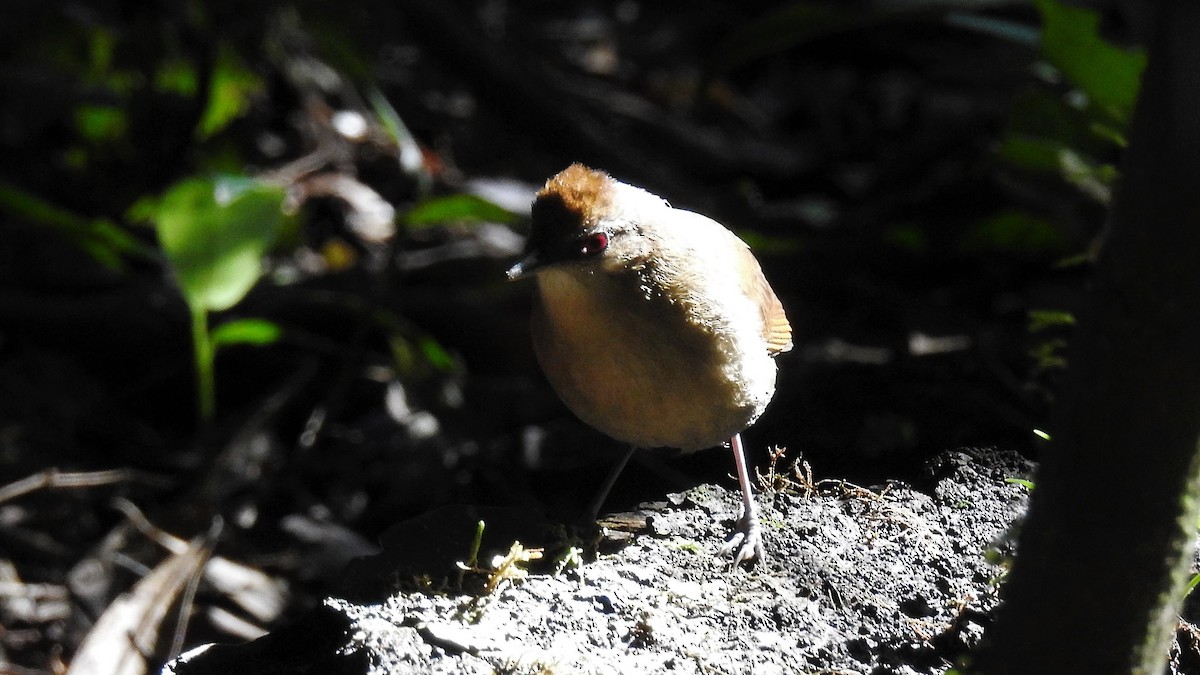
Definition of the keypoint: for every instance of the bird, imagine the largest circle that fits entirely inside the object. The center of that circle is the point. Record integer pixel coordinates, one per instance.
(654, 325)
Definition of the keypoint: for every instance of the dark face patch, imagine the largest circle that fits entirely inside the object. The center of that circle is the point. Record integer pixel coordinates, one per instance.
(565, 213)
(553, 223)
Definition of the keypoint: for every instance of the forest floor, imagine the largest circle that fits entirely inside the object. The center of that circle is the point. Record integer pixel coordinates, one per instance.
(900, 578)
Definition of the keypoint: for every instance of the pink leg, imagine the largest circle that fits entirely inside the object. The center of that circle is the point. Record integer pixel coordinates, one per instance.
(746, 543)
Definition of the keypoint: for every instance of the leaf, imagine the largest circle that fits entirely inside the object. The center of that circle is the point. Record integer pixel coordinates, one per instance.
(1093, 178)
(229, 94)
(101, 238)
(457, 208)
(176, 76)
(908, 237)
(1109, 75)
(130, 626)
(769, 244)
(215, 233)
(1031, 152)
(98, 123)
(1043, 112)
(1015, 232)
(1041, 319)
(246, 332)
(412, 161)
(1191, 585)
(1023, 482)
(436, 354)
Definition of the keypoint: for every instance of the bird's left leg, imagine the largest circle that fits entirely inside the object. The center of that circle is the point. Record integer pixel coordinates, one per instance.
(746, 542)
(598, 501)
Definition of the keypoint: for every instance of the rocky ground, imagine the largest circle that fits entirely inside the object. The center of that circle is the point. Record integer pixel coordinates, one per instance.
(893, 579)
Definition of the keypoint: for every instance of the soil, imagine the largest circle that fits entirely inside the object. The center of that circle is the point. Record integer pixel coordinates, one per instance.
(893, 579)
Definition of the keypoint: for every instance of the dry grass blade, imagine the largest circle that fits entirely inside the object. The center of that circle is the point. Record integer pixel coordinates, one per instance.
(129, 628)
(55, 479)
(259, 594)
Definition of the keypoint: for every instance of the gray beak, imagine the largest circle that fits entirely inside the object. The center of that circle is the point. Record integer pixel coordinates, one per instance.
(525, 268)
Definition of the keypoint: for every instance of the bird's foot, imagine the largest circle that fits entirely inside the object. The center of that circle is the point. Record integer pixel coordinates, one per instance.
(746, 543)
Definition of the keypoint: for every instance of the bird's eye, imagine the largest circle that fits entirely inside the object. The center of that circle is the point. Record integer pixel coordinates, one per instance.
(593, 244)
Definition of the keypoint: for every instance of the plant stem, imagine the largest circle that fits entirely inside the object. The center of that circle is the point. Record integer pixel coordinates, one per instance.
(205, 391)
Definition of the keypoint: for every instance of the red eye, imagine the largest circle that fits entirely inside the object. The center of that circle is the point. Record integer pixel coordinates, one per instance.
(593, 244)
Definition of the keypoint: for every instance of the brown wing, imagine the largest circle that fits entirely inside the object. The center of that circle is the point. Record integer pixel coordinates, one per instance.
(776, 329)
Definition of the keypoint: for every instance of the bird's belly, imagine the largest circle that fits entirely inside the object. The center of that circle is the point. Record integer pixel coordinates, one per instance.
(645, 374)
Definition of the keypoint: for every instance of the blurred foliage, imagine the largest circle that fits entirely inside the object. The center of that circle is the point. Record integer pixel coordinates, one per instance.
(101, 238)
(1069, 127)
(1014, 232)
(246, 332)
(232, 89)
(157, 97)
(1042, 319)
(1057, 152)
(215, 233)
(1049, 329)
(457, 209)
(1107, 74)
(149, 124)
(1074, 133)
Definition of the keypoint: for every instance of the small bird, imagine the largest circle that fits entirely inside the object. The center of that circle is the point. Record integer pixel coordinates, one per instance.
(654, 325)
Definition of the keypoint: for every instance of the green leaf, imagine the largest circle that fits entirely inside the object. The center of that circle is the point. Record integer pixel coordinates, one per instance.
(436, 354)
(34, 208)
(176, 76)
(100, 122)
(1025, 483)
(215, 232)
(229, 96)
(1043, 112)
(247, 332)
(1030, 152)
(1047, 354)
(1093, 178)
(101, 238)
(908, 237)
(768, 244)
(1015, 232)
(1109, 75)
(1041, 319)
(1191, 585)
(457, 208)
(412, 160)
(1109, 133)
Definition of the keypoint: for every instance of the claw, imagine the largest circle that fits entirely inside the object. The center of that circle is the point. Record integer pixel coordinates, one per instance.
(746, 543)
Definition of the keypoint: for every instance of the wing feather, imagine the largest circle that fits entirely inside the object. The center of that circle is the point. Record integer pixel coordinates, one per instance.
(775, 327)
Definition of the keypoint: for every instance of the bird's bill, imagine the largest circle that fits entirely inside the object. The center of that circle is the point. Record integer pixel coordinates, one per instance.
(526, 267)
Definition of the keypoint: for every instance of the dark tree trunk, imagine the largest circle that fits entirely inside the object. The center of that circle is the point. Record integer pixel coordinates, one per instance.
(1102, 558)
